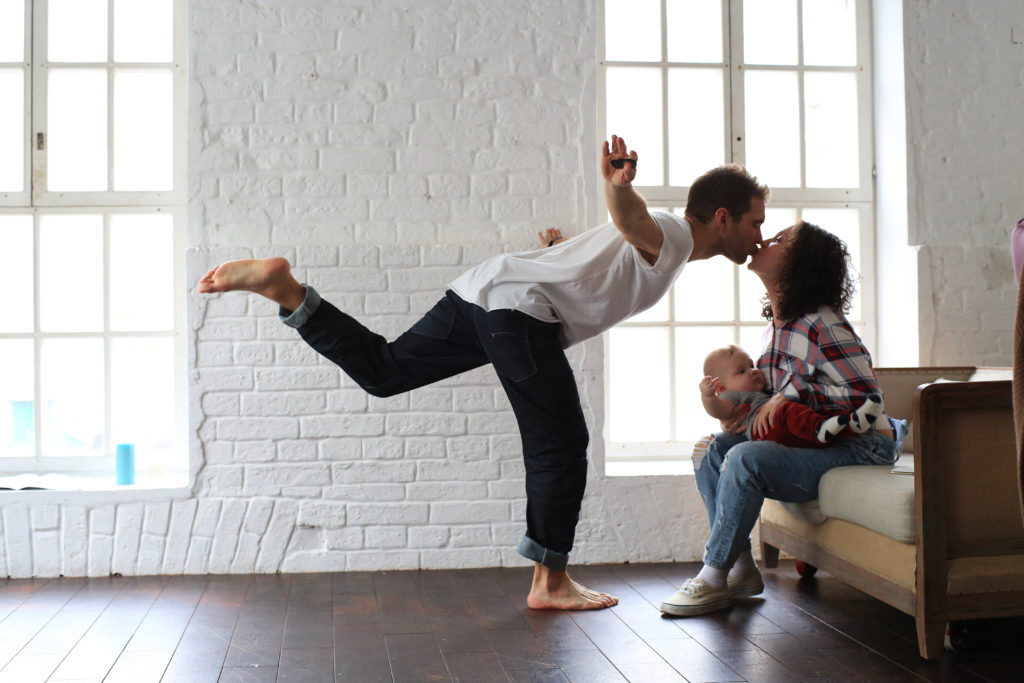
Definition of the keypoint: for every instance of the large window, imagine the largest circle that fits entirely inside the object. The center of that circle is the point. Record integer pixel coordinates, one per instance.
(92, 107)
(780, 86)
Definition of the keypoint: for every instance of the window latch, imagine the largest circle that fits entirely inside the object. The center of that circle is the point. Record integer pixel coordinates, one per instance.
(40, 141)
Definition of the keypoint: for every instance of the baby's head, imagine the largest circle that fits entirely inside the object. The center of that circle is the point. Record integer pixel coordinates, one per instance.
(734, 368)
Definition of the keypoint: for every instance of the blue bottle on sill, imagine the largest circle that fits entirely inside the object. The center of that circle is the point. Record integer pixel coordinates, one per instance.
(124, 463)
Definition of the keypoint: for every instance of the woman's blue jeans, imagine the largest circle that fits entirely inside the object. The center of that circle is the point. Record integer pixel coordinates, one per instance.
(735, 476)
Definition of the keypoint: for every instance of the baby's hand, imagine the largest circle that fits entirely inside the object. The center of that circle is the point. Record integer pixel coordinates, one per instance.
(710, 386)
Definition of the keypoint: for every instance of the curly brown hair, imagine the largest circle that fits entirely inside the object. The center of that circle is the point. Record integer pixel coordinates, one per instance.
(816, 274)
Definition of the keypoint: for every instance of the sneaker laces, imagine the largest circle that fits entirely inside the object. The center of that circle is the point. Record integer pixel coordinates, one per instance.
(694, 588)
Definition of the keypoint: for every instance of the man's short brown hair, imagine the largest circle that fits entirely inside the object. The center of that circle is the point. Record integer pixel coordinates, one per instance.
(729, 187)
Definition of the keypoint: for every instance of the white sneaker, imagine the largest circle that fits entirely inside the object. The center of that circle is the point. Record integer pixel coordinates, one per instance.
(746, 586)
(696, 597)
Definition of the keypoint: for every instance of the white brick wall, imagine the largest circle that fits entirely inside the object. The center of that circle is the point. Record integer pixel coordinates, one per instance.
(965, 133)
(383, 147)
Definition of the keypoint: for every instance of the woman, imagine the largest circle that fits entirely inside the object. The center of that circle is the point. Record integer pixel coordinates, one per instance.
(812, 355)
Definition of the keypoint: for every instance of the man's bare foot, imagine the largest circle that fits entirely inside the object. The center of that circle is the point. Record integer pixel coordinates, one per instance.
(555, 590)
(271, 277)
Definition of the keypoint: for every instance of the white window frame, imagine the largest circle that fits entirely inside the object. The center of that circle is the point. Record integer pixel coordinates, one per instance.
(669, 198)
(35, 200)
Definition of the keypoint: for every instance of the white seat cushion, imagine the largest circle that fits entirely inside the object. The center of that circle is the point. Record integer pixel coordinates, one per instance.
(870, 495)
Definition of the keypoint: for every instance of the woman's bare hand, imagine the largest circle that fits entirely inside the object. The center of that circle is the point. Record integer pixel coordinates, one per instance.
(765, 417)
(550, 237)
(734, 423)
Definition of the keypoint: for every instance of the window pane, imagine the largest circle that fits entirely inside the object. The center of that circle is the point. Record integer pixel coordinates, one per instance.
(17, 393)
(16, 275)
(142, 395)
(772, 121)
(72, 396)
(12, 130)
(634, 113)
(12, 30)
(143, 130)
(845, 224)
(830, 115)
(694, 31)
(632, 30)
(77, 123)
(693, 344)
(769, 32)
(705, 290)
(71, 273)
(752, 340)
(143, 31)
(77, 31)
(830, 32)
(141, 272)
(638, 385)
(696, 134)
(751, 292)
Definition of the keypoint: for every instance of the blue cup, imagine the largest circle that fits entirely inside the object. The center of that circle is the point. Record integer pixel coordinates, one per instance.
(124, 463)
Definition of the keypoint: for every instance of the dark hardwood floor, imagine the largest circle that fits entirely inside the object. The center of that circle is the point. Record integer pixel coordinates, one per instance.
(466, 625)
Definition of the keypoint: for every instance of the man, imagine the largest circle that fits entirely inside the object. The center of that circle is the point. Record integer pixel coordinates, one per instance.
(519, 312)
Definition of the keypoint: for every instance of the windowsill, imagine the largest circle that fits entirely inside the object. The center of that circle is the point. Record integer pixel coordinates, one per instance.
(36, 487)
(647, 468)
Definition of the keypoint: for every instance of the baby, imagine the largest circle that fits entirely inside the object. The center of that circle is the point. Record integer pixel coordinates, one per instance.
(731, 380)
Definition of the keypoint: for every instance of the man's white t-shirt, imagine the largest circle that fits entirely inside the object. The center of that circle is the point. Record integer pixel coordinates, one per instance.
(588, 283)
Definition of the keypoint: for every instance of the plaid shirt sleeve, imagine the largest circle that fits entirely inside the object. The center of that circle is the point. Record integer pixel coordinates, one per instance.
(820, 361)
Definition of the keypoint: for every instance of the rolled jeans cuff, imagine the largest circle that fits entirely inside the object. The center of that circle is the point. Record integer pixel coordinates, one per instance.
(532, 550)
(301, 315)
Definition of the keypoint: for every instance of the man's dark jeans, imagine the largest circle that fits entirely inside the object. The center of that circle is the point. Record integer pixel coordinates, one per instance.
(456, 336)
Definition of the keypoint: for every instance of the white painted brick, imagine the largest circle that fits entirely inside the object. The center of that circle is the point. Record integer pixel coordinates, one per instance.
(425, 447)
(151, 554)
(216, 404)
(373, 472)
(75, 530)
(127, 536)
(207, 515)
(257, 516)
(462, 558)
(475, 536)
(365, 492)
(253, 353)
(223, 479)
(244, 561)
(228, 329)
(345, 425)
(46, 553)
(291, 379)
(340, 449)
(226, 536)
(346, 401)
(361, 514)
(349, 538)
(446, 424)
(230, 379)
(182, 514)
(388, 404)
(254, 451)
(321, 515)
(213, 354)
(368, 560)
(505, 490)
(275, 540)
(45, 517)
(257, 428)
(101, 554)
(296, 451)
(437, 491)
(383, 449)
(507, 533)
(469, 512)
(197, 559)
(466, 448)
(385, 537)
(101, 520)
(447, 471)
(290, 353)
(431, 399)
(283, 403)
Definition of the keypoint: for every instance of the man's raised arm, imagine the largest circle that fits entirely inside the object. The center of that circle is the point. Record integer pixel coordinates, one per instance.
(628, 209)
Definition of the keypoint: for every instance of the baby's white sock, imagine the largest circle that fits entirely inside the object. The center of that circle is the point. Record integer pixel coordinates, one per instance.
(831, 427)
(744, 565)
(864, 418)
(716, 578)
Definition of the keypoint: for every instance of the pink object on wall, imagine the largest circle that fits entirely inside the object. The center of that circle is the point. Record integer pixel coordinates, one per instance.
(1017, 247)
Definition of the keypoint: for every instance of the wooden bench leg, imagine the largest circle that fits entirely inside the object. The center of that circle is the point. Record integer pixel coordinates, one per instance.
(930, 638)
(769, 555)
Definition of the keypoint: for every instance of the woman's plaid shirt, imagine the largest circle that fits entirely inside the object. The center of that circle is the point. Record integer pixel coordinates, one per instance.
(818, 360)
